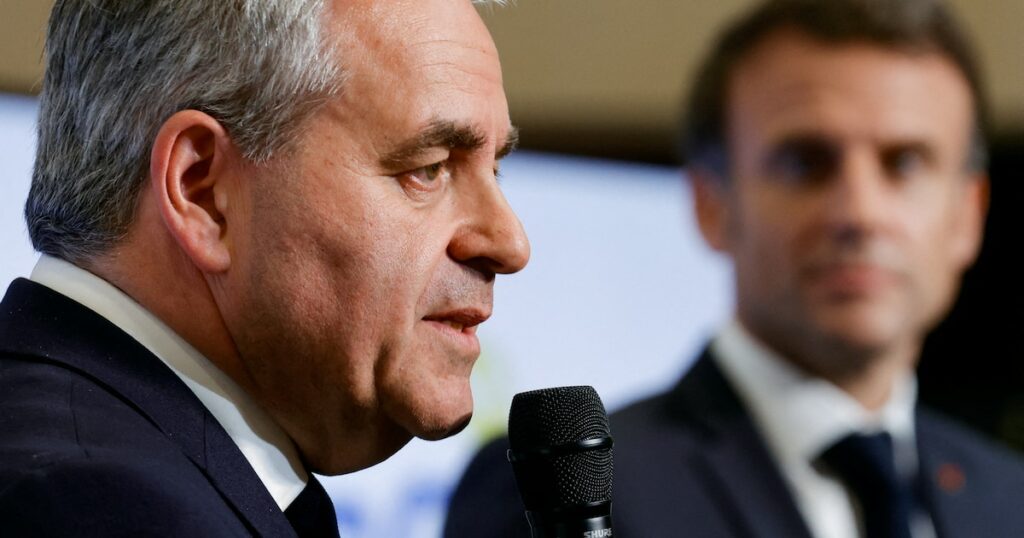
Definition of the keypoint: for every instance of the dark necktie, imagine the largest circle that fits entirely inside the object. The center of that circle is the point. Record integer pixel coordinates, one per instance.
(865, 463)
(312, 512)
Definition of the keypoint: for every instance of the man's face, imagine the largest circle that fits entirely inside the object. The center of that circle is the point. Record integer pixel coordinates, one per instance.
(849, 211)
(373, 251)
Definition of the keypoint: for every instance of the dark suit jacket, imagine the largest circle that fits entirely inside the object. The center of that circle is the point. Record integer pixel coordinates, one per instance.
(99, 438)
(691, 463)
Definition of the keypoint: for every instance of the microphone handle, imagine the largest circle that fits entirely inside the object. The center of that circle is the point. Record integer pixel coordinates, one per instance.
(580, 522)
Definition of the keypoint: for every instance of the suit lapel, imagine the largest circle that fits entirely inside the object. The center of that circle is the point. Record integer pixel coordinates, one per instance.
(232, 475)
(38, 322)
(735, 463)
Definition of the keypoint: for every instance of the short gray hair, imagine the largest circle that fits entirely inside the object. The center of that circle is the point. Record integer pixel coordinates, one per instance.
(116, 70)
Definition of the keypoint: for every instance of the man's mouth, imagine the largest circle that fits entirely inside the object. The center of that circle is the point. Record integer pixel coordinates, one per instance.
(853, 279)
(464, 320)
(453, 324)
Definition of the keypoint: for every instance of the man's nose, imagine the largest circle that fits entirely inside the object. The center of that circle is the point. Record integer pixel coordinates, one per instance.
(858, 197)
(491, 238)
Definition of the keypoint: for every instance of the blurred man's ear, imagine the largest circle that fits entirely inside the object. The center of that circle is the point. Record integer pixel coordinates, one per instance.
(710, 206)
(191, 170)
(969, 228)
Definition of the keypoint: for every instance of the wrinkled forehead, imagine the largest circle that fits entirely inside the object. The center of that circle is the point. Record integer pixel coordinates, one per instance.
(397, 32)
(409, 63)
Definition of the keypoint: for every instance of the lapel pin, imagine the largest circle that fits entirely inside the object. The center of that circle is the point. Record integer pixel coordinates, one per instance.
(950, 478)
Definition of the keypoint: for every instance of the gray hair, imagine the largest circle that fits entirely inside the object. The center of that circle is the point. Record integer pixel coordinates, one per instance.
(116, 70)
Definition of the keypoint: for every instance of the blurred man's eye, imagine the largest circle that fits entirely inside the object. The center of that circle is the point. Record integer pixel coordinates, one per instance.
(803, 162)
(904, 162)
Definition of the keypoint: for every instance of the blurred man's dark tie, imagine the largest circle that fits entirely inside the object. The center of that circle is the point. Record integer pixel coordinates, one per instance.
(865, 463)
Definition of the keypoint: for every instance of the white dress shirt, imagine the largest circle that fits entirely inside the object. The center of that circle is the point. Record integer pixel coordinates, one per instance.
(799, 416)
(264, 444)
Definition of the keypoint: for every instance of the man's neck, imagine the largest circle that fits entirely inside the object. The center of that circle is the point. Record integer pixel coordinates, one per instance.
(161, 279)
(867, 375)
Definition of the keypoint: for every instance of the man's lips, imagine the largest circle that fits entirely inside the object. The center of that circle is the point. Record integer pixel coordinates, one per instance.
(463, 320)
(459, 327)
(852, 279)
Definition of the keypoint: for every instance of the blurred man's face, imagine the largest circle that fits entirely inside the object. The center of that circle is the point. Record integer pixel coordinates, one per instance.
(850, 214)
(373, 252)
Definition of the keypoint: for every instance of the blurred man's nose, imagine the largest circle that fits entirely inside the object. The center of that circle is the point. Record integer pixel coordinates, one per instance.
(492, 239)
(859, 196)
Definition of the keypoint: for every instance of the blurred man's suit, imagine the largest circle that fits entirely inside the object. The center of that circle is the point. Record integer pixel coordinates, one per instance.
(690, 462)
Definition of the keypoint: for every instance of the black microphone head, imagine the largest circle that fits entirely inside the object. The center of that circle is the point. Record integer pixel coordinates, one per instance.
(560, 448)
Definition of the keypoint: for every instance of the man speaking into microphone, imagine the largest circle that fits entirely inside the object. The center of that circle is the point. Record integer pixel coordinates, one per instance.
(836, 154)
(269, 230)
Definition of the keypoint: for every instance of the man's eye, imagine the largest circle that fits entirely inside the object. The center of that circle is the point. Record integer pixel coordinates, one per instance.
(430, 173)
(429, 178)
(804, 163)
(904, 163)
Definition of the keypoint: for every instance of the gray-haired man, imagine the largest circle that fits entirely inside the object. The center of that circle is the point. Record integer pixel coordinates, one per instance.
(269, 230)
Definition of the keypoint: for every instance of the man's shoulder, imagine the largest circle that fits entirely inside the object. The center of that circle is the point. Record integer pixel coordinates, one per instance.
(72, 450)
(659, 439)
(70, 386)
(943, 438)
(682, 417)
(975, 484)
(656, 420)
(52, 401)
(112, 493)
(52, 415)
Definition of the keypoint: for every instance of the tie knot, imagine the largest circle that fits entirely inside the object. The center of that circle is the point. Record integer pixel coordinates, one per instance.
(859, 457)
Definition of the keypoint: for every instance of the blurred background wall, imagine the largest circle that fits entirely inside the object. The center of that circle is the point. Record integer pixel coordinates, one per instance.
(602, 76)
(620, 292)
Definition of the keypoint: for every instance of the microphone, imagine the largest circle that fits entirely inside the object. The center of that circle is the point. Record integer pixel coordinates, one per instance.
(561, 454)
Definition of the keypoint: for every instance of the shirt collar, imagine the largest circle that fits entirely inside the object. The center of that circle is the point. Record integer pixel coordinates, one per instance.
(264, 444)
(801, 415)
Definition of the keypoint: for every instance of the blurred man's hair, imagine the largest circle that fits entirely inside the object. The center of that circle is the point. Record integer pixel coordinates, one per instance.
(911, 26)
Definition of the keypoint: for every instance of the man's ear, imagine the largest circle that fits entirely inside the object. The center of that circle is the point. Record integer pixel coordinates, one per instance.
(191, 167)
(710, 206)
(970, 226)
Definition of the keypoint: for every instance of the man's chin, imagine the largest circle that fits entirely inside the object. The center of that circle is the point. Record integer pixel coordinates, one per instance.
(387, 442)
(858, 333)
(434, 414)
(866, 324)
(444, 432)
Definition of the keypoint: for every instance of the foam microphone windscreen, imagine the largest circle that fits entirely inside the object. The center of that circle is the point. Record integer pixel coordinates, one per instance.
(561, 448)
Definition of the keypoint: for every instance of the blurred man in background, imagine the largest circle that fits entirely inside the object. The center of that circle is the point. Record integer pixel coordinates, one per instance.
(836, 156)
(269, 230)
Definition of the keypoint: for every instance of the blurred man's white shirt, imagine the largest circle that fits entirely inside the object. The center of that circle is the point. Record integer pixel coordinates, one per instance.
(800, 416)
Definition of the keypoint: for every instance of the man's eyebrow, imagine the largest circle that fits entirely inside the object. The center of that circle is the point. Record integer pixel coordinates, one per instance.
(444, 134)
(511, 142)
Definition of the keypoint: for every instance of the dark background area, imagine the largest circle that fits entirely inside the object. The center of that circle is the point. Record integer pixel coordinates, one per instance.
(971, 366)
